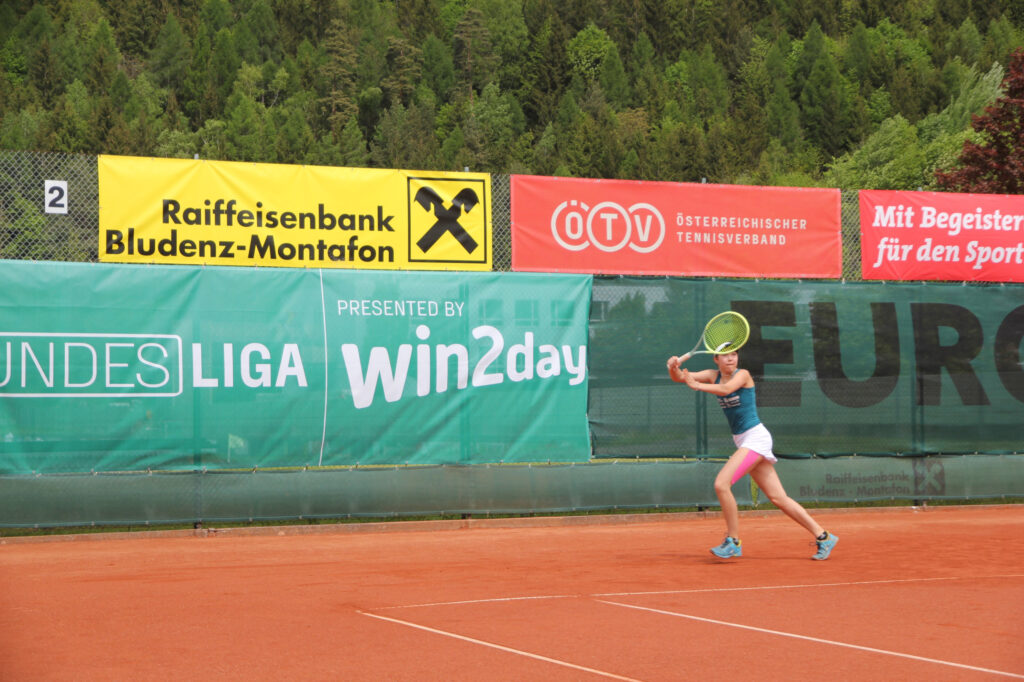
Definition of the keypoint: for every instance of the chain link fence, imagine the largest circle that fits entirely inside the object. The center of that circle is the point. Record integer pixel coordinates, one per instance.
(43, 221)
(49, 206)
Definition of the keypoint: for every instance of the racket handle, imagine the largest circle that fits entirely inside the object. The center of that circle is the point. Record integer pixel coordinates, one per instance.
(684, 358)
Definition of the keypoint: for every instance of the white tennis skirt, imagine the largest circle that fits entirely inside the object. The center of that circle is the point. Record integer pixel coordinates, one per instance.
(757, 439)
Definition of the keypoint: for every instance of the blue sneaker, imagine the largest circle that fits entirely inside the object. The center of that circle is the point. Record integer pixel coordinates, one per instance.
(825, 547)
(730, 547)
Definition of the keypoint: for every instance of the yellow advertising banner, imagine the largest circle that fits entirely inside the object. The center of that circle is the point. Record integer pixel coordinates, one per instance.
(231, 213)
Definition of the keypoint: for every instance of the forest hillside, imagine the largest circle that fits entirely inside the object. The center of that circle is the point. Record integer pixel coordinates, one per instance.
(842, 93)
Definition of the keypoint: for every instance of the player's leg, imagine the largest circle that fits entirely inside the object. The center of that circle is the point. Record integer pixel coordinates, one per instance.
(768, 481)
(723, 490)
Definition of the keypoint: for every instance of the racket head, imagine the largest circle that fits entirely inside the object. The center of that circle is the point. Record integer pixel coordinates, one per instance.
(726, 333)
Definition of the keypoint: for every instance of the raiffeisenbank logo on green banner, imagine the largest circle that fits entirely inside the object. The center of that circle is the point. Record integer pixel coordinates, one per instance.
(288, 367)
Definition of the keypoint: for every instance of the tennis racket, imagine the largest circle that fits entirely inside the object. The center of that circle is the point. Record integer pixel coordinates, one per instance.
(724, 333)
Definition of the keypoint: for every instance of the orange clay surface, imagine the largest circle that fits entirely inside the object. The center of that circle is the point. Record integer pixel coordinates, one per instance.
(908, 594)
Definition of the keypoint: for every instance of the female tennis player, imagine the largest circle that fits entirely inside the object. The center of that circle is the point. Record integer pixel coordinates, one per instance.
(734, 388)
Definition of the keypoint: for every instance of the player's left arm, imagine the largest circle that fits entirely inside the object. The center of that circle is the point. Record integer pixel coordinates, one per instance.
(698, 381)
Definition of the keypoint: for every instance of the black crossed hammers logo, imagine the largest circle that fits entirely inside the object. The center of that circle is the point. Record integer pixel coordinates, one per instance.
(929, 477)
(447, 218)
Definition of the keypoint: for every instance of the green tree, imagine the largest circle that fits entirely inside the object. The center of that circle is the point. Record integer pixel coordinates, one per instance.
(544, 76)
(102, 58)
(614, 82)
(295, 141)
(107, 130)
(8, 19)
(405, 65)
(244, 132)
(309, 62)
(475, 57)
(1000, 39)
(265, 30)
(224, 64)
(212, 140)
(405, 138)
(825, 107)
(746, 133)
(879, 106)
(275, 83)
(598, 151)
(421, 17)
(339, 72)
(135, 24)
(352, 145)
(778, 167)
(169, 59)
(246, 45)
(677, 151)
(507, 29)
(371, 101)
(490, 129)
(69, 46)
(216, 15)
(68, 126)
(812, 50)
(35, 26)
(891, 158)
(708, 82)
(965, 43)
(545, 152)
(45, 73)
(175, 144)
(857, 58)
(21, 129)
(373, 23)
(198, 97)
(143, 132)
(648, 85)
(453, 150)
(587, 51)
(438, 66)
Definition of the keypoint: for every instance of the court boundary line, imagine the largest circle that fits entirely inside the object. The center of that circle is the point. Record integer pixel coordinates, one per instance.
(496, 600)
(818, 640)
(499, 647)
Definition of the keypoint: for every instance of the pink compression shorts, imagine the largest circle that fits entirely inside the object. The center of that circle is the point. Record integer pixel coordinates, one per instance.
(758, 441)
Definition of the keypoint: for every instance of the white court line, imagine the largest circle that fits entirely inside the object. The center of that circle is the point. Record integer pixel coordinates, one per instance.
(492, 600)
(501, 648)
(814, 639)
(698, 590)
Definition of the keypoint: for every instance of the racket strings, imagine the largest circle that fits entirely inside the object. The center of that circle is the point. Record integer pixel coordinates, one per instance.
(726, 333)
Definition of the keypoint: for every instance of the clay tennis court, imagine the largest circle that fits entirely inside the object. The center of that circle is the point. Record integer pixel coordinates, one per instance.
(908, 594)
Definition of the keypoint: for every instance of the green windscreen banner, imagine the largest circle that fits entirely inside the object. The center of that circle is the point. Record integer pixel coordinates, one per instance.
(135, 368)
(841, 368)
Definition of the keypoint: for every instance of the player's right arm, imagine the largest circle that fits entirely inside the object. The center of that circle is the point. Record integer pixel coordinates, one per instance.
(677, 374)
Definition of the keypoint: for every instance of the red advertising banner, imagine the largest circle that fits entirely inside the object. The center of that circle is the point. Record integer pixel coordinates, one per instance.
(942, 236)
(631, 227)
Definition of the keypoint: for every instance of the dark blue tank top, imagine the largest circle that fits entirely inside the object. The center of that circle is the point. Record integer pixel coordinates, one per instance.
(740, 408)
